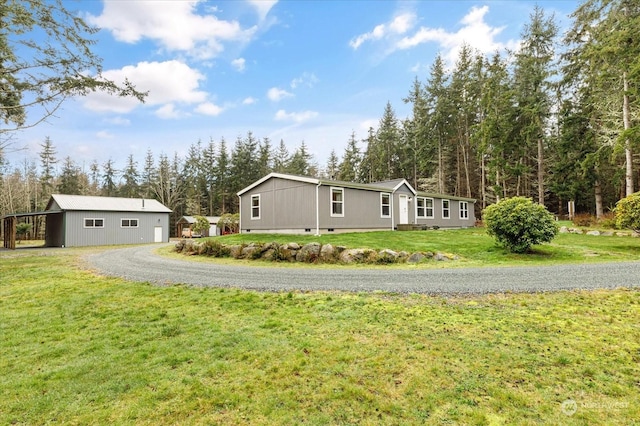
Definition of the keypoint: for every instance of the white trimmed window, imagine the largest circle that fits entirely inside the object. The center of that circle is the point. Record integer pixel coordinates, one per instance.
(128, 223)
(385, 205)
(93, 222)
(337, 202)
(424, 208)
(446, 209)
(464, 210)
(255, 206)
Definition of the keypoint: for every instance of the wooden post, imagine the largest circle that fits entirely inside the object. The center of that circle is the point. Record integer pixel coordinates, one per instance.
(9, 240)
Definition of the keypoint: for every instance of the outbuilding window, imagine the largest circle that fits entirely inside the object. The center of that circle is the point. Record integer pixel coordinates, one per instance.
(255, 206)
(446, 211)
(337, 202)
(128, 223)
(464, 210)
(93, 222)
(385, 205)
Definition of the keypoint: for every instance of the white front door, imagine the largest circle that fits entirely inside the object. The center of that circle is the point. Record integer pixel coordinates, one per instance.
(403, 217)
(157, 234)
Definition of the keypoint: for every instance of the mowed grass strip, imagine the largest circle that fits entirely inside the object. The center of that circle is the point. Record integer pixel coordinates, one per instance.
(81, 349)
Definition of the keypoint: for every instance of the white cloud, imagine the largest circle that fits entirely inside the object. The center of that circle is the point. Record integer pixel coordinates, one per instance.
(175, 25)
(167, 112)
(475, 32)
(298, 117)
(239, 64)
(166, 82)
(104, 134)
(209, 108)
(118, 121)
(276, 94)
(263, 7)
(399, 34)
(306, 79)
(397, 26)
(249, 101)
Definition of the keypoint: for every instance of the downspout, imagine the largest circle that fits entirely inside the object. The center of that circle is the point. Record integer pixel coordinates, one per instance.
(318, 209)
(240, 215)
(392, 204)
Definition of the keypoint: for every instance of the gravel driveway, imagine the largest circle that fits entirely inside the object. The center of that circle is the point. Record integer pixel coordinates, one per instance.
(141, 264)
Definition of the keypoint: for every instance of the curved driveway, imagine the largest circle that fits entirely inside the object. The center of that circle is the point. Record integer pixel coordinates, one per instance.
(141, 264)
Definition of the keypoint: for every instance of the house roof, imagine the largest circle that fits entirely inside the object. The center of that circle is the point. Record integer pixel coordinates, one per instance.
(385, 186)
(90, 203)
(192, 219)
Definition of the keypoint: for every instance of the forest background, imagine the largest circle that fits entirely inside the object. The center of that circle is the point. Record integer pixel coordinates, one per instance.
(557, 121)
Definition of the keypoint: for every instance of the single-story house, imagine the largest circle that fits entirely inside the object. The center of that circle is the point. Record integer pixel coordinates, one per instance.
(183, 226)
(283, 203)
(77, 220)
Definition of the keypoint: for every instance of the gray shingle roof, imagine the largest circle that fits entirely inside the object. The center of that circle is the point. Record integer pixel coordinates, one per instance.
(115, 204)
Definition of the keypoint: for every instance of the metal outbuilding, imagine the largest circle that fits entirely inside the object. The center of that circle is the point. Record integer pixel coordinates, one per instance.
(78, 220)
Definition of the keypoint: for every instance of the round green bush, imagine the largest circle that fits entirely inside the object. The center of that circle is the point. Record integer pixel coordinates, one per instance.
(518, 223)
(627, 212)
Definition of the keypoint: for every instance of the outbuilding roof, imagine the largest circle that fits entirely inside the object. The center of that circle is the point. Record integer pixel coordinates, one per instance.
(63, 202)
(192, 219)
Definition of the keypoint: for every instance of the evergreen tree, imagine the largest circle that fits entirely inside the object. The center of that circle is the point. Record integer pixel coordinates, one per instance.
(47, 167)
(109, 188)
(69, 182)
(281, 158)
(300, 163)
(148, 175)
(349, 167)
(130, 188)
(265, 163)
(224, 191)
(604, 57)
(331, 171)
(533, 73)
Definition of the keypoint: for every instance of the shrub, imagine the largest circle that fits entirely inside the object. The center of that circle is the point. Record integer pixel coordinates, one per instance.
(215, 248)
(201, 225)
(627, 212)
(518, 223)
(584, 219)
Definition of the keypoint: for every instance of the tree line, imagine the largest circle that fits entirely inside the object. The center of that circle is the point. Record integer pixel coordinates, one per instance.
(555, 121)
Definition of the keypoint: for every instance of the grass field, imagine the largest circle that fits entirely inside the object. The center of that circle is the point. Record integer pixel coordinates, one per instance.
(81, 349)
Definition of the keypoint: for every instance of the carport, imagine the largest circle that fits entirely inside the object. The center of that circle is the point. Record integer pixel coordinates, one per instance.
(10, 222)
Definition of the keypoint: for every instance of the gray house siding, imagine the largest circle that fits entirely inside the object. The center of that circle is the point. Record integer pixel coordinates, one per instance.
(283, 205)
(294, 204)
(112, 233)
(361, 210)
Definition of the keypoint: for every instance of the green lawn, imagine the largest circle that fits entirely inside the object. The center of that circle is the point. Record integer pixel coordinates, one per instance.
(473, 246)
(76, 348)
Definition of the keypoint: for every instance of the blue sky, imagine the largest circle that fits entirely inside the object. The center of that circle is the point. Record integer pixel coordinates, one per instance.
(312, 71)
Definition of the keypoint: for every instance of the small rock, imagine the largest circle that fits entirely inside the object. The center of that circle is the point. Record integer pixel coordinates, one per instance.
(607, 234)
(593, 233)
(416, 258)
(441, 257)
(352, 255)
(327, 253)
(564, 230)
(308, 253)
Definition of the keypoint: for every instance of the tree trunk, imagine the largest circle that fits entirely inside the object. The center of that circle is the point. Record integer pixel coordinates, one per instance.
(598, 193)
(626, 113)
(540, 172)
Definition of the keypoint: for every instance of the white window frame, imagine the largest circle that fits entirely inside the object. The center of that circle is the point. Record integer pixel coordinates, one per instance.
(332, 202)
(464, 210)
(383, 205)
(122, 225)
(426, 208)
(446, 209)
(93, 221)
(258, 207)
